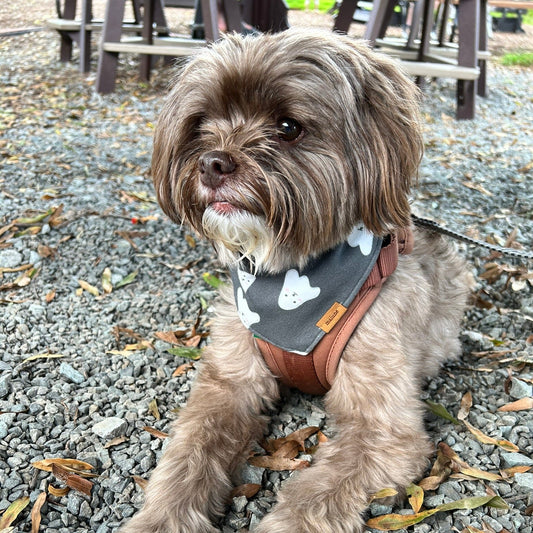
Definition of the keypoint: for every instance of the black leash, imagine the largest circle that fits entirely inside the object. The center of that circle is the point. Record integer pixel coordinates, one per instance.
(433, 226)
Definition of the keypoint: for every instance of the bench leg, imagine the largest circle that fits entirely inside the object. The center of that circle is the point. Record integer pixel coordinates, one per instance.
(468, 45)
(108, 61)
(482, 81)
(345, 16)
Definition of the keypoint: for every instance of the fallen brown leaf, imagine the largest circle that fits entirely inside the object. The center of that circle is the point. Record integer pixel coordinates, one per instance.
(156, 432)
(58, 492)
(74, 481)
(520, 405)
(152, 407)
(249, 490)
(70, 465)
(182, 369)
(466, 404)
(143, 483)
(278, 463)
(36, 512)
(298, 436)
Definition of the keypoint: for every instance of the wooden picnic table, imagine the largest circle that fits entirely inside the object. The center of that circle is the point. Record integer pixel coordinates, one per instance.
(421, 57)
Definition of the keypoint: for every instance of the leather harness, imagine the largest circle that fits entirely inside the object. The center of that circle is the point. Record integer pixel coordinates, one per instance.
(314, 373)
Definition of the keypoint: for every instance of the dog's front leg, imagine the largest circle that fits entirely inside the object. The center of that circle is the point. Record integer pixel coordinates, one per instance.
(192, 483)
(379, 443)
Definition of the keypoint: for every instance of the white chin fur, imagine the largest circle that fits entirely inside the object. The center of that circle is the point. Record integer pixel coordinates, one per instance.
(237, 235)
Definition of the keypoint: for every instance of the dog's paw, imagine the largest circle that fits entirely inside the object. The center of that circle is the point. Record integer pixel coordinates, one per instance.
(304, 520)
(144, 522)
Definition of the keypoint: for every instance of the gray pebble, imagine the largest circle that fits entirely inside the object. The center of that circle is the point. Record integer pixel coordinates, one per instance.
(524, 481)
(10, 258)
(5, 382)
(110, 427)
(520, 389)
(516, 459)
(70, 373)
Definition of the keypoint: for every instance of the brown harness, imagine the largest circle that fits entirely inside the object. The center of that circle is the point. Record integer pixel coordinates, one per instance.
(314, 373)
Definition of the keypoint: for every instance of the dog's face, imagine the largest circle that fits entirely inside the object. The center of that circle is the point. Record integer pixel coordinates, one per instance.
(275, 147)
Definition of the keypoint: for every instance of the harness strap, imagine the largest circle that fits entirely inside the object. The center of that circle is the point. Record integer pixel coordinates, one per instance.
(314, 373)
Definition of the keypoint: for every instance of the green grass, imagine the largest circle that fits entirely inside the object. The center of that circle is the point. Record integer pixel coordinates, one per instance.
(323, 5)
(522, 59)
(528, 18)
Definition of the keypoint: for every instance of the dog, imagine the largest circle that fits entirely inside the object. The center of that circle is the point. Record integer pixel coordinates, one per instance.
(282, 149)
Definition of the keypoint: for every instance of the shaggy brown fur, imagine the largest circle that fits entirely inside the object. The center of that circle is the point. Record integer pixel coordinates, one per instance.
(274, 147)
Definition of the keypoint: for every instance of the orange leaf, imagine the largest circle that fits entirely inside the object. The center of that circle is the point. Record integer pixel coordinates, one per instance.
(466, 404)
(520, 405)
(140, 481)
(249, 490)
(72, 480)
(298, 436)
(485, 439)
(71, 465)
(289, 449)
(156, 432)
(278, 463)
(36, 512)
(58, 493)
(182, 369)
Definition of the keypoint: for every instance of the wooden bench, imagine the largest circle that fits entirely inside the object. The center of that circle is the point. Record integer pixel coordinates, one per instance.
(517, 7)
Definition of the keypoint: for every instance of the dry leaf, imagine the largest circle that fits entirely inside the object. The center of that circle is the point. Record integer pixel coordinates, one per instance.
(249, 490)
(116, 441)
(12, 512)
(36, 512)
(458, 465)
(58, 493)
(397, 521)
(107, 286)
(50, 296)
(91, 289)
(278, 463)
(74, 481)
(156, 432)
(520, 405)
(466, 404)
(510, 472)
(298, 436)
(289, 450)
(167, 336)
(152, 407)
(415, 495)
(70, 465)
(182, 369)
(383, 493)
(485, 439)
(143, 483)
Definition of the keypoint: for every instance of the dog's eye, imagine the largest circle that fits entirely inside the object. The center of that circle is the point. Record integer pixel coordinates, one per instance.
(289, 129)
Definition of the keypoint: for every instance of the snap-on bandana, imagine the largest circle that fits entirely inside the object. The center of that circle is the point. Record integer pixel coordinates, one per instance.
(293, 310)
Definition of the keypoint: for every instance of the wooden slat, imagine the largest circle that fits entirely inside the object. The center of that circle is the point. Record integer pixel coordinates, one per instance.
(75, 25)
(164, 47)
(511, 4)
(439, 70)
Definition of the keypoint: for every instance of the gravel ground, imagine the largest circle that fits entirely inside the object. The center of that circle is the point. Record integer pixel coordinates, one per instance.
(63, 145)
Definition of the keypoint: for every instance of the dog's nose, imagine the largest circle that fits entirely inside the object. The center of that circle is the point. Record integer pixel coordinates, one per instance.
(214, 167)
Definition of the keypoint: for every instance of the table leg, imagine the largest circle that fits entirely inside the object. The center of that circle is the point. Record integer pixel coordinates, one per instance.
(482, 81)
(148, 37)
(210, 15)
(65, 49)
(468, 45)
(345, 16)
(107, 62)
(379, 20)
(85, 36)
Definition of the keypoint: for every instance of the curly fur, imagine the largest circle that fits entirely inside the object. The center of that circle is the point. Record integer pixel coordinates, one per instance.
(280, 203)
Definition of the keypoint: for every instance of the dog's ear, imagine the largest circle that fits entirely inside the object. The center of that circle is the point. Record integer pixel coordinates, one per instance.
(383, 127)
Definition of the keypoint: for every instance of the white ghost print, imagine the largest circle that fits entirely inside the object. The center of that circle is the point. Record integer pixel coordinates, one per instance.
(296, 291)
(245, 279)
(361, 237)
(247, 316)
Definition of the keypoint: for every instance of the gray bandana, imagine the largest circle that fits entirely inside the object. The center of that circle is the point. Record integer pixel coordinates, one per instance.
(294, 310)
